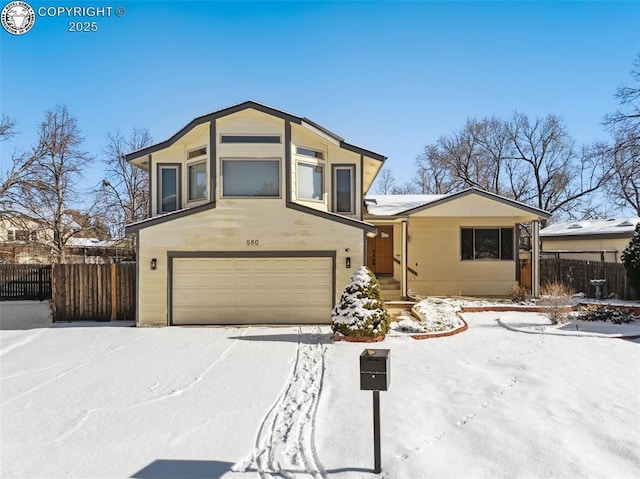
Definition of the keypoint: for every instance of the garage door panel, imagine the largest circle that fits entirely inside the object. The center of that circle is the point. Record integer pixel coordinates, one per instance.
(252, 290)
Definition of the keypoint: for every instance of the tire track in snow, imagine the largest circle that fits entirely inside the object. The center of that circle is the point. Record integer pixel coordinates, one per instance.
(285, 443)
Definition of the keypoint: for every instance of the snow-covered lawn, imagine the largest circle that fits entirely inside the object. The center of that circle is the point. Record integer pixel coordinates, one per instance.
(108, 400)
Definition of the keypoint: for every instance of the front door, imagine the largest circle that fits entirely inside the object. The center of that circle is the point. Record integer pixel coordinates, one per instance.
(380, 251)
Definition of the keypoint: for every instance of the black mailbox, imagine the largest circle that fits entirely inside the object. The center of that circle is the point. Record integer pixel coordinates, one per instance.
(375, 370)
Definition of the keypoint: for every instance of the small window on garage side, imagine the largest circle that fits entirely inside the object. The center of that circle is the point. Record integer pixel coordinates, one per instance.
(168, 188)
(197, 174)
(251, 178)
(487, 243)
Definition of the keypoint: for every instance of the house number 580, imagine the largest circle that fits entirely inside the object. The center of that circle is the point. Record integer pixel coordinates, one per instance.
(253, 242)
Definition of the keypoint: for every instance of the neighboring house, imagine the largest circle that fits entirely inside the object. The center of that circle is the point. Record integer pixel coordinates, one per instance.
(594, 240)
(464, 243)
(23, 240)
(258, 216)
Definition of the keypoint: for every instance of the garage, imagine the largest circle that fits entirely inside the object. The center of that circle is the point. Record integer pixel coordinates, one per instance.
(266, 288)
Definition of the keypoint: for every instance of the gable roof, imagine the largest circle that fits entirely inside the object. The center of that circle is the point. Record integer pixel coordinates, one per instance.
(258, 107)
(613, 226)
(405, 205)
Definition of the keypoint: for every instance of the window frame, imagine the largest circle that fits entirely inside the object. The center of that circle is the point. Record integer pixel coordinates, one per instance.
(195, 161)
(500, 231)
(178, 169)
(313, 164)
(240, 159)
(334, 188)
(245, 138)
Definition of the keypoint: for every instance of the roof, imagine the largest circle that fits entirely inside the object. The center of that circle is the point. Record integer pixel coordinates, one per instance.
(612, 226)
(392, 205)
(259, 107)
(405, 205)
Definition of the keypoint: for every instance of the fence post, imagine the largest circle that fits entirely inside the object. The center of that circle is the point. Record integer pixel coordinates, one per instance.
(114, 295)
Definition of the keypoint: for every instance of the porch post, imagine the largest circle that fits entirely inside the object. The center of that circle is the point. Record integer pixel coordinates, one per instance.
(403, 260)
(535, 258)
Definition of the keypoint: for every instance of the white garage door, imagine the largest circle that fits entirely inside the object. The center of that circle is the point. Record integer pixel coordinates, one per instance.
(252, 290)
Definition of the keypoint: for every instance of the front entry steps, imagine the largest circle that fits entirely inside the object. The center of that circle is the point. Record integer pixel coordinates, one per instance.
(390, 289)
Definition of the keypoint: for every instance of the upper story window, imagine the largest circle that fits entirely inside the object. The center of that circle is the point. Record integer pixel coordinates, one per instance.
(344, 189)
(251, 177)
(309, 152)
(487, 243)
(169, 188)
(21, 235)
(250, 139)
(310, 181)
(197, 174)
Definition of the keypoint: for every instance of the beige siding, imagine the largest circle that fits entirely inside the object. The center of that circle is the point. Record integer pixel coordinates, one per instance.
(434, 253)
(478, 207)
(613, 246)
(227, 228)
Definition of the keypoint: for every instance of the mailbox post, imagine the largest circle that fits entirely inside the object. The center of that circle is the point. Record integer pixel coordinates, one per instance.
(375, 375)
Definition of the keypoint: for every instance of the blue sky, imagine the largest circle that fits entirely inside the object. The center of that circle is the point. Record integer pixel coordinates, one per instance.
(388, 76)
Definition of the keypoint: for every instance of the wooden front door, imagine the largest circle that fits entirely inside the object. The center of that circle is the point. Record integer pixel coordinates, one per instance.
(380, 251)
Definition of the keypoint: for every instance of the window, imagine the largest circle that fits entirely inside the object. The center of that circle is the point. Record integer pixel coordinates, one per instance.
(487, 243)
(169, 192)
(197, 181)
(250, 178)
(310, 181)
(250, 139)
(308, 152)
(343, 189)
(21, 235)
(197, 153)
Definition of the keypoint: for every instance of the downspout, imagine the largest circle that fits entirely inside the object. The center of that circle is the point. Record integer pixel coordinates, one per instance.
(403, 260)
(535, 258)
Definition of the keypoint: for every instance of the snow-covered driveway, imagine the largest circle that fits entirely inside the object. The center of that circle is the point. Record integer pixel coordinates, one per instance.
(113, 401)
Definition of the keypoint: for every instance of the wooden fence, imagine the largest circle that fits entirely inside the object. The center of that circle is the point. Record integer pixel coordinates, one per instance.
(577, 275)
(25, 282)
(97, 292)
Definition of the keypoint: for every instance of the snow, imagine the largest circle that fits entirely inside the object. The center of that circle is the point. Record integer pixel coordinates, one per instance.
(389, 205)
(106, 400)
(591, 227)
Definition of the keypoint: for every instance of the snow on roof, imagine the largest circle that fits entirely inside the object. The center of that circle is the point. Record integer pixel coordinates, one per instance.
(89, 242)
(591, 227)
(389, 205)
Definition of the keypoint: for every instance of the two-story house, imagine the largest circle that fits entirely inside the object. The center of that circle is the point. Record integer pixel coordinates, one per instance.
(256, 217)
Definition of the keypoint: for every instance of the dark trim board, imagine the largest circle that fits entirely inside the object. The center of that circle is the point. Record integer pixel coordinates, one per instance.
(213, 159)
(171, 255)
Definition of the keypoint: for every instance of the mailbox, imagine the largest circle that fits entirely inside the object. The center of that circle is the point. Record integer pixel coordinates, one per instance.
(375, 370)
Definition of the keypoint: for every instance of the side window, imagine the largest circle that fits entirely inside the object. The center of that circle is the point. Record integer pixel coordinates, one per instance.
(343, 189)
(168, 188)
(197, 174)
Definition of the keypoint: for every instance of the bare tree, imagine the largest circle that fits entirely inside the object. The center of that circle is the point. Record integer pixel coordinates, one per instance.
(624, 125)
(19, 163)
(385, 182)
(49, 193)
(553, 175)
(124, 193)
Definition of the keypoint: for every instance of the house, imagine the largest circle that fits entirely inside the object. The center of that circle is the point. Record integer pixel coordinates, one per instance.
(464, 243)
(594, 240)
(257, 216)
(23, 240)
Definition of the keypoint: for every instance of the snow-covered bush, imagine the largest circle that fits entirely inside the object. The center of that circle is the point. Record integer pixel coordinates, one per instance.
(606, 313)
(517, 293)
(631, 259)
(361, 311)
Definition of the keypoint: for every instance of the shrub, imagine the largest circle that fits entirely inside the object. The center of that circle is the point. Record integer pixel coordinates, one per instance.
(606, 313)
(631, 258)
(361, 312)
(517, 293)
(557, 297)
